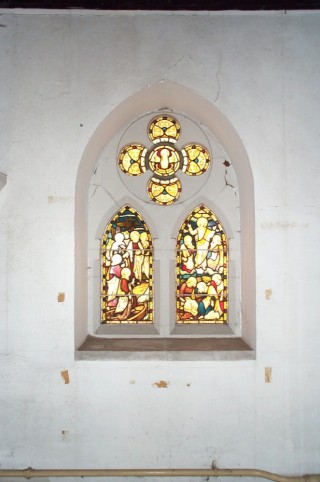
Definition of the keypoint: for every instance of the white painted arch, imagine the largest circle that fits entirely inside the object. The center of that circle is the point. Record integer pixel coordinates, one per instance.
(167, 95)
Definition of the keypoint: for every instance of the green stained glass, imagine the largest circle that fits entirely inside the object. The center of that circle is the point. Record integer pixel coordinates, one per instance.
(126, 270)
(202, 269)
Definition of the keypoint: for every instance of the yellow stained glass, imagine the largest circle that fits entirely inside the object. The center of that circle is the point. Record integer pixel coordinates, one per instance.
(164, 192)
(163, 129)
(196, 159)
(126, 270)
(202, 269)
(164, 160)
(132, 159)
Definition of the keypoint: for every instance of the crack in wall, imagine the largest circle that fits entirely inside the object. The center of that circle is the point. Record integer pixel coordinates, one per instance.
(227, 183)
(217, 79)
(184, 57)
(97, 186)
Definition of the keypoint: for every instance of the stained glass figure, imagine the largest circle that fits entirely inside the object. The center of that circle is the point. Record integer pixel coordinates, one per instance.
(164, 129)
(164, 192)
(164, 160)
(126, 270)
(202, 269)
(196, 159)
(132, 159)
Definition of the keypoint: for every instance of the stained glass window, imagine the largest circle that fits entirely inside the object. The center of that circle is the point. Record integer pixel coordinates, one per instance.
(201, 269)
(196, 159)
(126, 270)
(164, 129)
(164, 160)
(132, 159)
(164, 192)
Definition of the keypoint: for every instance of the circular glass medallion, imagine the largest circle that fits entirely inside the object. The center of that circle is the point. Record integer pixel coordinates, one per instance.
(164, 192)
(132, 159)
(164, 160)
(196, 159)
(164, 129)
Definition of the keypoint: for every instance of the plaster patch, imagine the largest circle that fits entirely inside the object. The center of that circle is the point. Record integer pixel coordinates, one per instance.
(161, 384)
(268, 293)
(65, 376)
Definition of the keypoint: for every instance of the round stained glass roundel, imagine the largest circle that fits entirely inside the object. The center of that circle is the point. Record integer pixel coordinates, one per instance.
(164, 192)
(164, 129)
(164, 160)
(132, 159)
(196, 159)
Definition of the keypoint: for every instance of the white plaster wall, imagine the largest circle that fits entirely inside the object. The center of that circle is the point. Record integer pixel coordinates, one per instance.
(64, 72)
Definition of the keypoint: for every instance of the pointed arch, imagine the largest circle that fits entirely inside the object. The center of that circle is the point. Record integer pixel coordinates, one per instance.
(202, 269)
(126, 270)
(180, 99)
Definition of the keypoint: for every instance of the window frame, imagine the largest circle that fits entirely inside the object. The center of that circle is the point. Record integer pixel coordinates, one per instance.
(224, 131)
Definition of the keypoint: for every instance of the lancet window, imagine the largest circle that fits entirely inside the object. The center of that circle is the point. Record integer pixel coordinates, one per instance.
(202, 269)
(126, 270)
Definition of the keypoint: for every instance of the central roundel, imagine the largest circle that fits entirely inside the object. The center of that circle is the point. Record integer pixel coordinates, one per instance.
(164, 160)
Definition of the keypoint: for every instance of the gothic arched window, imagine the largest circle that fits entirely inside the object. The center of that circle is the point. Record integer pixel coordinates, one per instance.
(182, 174)
(126, 270)
(202, 269)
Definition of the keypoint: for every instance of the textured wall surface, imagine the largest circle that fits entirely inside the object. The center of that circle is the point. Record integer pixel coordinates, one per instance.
(62, 73)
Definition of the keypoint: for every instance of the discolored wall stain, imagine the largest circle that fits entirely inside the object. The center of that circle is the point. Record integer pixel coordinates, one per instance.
(59, 199)
(161, 384)
(283, 225)
(65, 376)
(267, 374)
(61, 297)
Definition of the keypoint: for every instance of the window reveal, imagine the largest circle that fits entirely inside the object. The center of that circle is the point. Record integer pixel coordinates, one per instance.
(126, 270)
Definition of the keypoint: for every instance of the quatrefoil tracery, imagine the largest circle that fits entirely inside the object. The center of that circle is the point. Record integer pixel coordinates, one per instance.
(164, 160)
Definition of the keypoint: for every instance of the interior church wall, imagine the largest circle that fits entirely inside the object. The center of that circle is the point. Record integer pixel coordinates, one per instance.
(63, 73)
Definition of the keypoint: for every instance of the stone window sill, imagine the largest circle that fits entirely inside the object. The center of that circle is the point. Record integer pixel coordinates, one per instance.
(165, 348)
